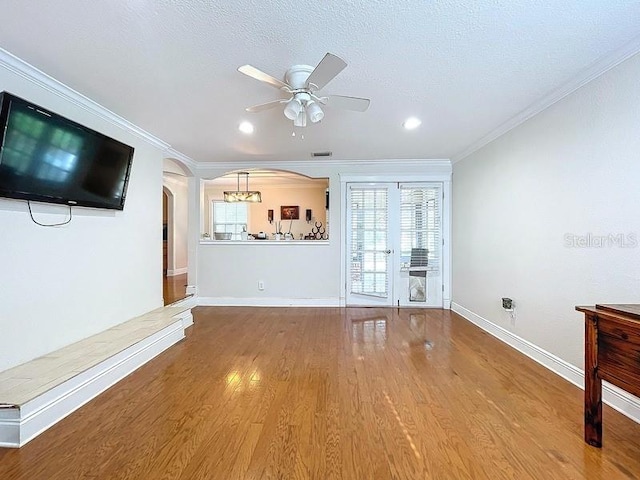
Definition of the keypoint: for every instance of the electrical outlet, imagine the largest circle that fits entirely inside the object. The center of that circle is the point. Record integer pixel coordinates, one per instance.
(509, 307)
(260, 285)
(507, 304)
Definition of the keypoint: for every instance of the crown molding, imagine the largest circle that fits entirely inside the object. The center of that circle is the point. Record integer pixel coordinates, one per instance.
(50, 84)
(204, 167)
(585, 76)
(181, 157)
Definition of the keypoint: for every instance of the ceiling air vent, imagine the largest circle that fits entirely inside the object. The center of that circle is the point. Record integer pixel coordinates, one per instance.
(321, 154)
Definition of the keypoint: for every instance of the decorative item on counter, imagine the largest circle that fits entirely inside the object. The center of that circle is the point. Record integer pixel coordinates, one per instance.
(270, 215)
(206, 236)
(222, 235)
(244, 235)
(278, 233)
(318, 232)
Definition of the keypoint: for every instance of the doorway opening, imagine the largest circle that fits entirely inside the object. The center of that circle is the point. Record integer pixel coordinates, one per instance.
(174, 241)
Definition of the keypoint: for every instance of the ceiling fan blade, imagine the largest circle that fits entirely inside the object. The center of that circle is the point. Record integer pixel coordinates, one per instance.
(325, 71)
(347, 103)
(265, 106)
(253, 72)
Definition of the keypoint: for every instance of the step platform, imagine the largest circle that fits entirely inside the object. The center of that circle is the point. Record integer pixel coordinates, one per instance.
(37, 394)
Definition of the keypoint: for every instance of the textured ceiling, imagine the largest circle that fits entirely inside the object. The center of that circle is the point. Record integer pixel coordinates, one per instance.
(464, 68)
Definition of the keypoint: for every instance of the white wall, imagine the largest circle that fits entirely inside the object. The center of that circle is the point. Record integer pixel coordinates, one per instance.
(308, 274)
(178, 222)
(571, 170)
(292, 273)
(59, 285)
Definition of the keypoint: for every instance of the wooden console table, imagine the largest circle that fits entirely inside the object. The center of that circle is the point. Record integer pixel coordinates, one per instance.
(611, 353)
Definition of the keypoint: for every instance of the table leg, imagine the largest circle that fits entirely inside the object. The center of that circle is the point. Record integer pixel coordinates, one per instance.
(592, 384)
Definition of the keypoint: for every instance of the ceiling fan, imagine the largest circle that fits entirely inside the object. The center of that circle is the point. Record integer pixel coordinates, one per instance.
(302, 83)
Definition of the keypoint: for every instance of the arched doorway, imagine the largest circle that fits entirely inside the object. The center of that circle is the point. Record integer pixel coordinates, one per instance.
(175, 228)
(165, 231)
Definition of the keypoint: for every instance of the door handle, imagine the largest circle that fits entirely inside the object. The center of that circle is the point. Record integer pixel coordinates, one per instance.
(388, 252)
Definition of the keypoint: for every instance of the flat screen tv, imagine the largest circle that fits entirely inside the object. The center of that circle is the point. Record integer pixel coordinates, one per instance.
(48, 158)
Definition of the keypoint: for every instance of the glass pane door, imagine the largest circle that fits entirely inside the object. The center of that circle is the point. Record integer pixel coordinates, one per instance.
(369, 260)
(394, 244)
(419, 277)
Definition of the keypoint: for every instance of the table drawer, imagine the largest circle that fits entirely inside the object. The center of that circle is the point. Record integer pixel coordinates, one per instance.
(626, 331)
(619, 362)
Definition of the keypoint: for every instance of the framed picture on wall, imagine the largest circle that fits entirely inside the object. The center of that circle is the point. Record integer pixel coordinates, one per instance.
(289, 213)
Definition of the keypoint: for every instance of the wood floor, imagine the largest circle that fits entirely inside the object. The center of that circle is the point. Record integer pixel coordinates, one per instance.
(294, 393)
(174, 288)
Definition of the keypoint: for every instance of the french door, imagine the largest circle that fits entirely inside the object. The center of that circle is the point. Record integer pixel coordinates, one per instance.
(394, 244)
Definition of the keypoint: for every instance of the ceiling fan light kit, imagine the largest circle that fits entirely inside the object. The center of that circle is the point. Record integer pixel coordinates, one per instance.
(302, 82)
(293, 109)
(301, 119)
(315, 112)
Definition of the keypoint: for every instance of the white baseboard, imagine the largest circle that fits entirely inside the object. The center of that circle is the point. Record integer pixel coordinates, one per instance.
(267, 302)
(20, 425)
(280, 302)
(177, 271)
(187, 302)
(611, 395)
(187, 320)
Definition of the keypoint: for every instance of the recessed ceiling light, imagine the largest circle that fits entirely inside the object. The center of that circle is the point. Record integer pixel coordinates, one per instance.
(246, 127)
(411, 123)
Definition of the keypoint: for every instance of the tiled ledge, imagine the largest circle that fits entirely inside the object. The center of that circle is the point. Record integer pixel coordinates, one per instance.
(25, 382)
(39, 393)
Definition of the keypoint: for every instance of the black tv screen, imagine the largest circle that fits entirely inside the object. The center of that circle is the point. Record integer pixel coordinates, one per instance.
(48, 158)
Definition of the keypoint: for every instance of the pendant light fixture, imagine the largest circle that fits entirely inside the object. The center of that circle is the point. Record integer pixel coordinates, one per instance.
(243, 195)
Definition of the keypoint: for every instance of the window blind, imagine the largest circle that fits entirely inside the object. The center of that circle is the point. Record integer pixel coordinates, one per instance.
(369, 221)
(420, 226)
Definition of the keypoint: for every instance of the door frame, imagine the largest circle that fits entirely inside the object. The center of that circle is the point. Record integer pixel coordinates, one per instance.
(445, 178)
(166, 191)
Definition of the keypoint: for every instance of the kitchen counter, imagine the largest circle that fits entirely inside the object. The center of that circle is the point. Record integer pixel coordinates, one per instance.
(264, 242)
